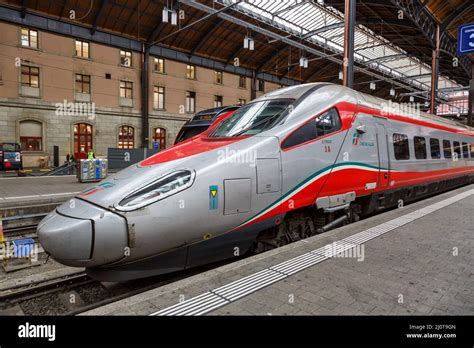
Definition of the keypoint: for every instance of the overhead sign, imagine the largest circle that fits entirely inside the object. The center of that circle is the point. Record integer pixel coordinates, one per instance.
(466, 39)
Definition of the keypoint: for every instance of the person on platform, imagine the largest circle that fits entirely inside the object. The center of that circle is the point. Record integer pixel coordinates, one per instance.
(90, 155)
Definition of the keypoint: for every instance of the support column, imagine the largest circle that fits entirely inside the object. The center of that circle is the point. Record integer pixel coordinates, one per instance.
(349, 28)
(470, 113)
(253, 86)
(434, 74)
(145, 95)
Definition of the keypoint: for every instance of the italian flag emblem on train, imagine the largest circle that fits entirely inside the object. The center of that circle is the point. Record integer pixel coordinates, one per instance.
(355, 139)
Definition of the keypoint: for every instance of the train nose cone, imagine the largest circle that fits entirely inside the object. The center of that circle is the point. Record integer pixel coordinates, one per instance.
(66, 238)
(80, 234)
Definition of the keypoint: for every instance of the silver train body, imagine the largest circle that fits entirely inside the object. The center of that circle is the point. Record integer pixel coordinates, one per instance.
(231, 193)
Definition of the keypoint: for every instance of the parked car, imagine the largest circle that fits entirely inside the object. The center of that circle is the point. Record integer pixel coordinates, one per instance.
(10, 156)
(201, 121)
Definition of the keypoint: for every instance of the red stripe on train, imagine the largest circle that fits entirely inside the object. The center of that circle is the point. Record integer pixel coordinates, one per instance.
(189, 148)
(196, 145)
(354, 179)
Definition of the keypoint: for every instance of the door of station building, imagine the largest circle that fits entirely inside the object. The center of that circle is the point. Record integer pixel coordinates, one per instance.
(82, 140)
(384, 159)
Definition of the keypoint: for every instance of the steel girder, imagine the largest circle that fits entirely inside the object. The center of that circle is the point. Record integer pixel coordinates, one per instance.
(98, 16)
(427, 24)
(286, 39)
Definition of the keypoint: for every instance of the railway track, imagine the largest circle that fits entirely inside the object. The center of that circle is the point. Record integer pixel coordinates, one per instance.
(34, 297)
(14, 226)
(19, 293)
(49, 288)
(20, 233)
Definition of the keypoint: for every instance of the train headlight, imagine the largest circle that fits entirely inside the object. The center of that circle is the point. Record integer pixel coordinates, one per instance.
(165, 186)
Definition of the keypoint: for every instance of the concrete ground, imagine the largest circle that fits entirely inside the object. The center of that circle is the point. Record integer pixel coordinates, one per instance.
(422, 263)
(37, 190)
(14, 173)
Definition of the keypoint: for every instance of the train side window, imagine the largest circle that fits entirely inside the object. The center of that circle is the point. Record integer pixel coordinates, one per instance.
(465, 150)
(472, 150)
(448, 152)
(400, 146)
(457, 148)
(435, 148)
(420, 147)
(328, 122)
(324, 124)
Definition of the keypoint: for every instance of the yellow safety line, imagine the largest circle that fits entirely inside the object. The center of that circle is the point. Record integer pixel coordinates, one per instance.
(2, 241)
(1, 230)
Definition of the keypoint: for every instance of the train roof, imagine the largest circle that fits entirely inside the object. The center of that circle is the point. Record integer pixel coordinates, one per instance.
(410, 110)
(292, 92)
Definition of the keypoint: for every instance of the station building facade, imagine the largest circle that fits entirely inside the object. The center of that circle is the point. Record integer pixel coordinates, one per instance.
(80, 95)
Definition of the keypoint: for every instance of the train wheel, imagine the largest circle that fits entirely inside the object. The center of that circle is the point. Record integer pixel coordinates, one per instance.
(292, 229)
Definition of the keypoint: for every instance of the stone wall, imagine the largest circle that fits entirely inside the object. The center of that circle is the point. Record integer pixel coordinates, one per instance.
(58, 127)
(55, 58)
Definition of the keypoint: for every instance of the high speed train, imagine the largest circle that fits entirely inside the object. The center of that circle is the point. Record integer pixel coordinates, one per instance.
(292, 163)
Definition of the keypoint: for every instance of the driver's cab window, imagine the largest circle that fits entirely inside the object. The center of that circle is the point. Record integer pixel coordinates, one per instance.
(254, 118)
(326, 123)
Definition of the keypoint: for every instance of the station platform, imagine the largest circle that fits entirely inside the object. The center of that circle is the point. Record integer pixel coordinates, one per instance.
(415, 260)
(29, 170)
(21, 192)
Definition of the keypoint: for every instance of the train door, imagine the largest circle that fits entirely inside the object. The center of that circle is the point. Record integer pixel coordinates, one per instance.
(384, 159)
(308, 155)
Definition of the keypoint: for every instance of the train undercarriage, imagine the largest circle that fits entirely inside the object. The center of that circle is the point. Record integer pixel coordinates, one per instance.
(310, 221)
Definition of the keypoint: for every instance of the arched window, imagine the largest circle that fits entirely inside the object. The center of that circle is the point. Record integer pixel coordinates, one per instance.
(31, 135)
(82, 140)
(159, 137)
(126, 137)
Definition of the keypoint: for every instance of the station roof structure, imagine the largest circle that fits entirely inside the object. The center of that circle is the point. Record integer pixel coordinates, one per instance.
(394, 39)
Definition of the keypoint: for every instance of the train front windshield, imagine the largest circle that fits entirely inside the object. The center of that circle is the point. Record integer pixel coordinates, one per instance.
(254, 118)
(189, 132)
